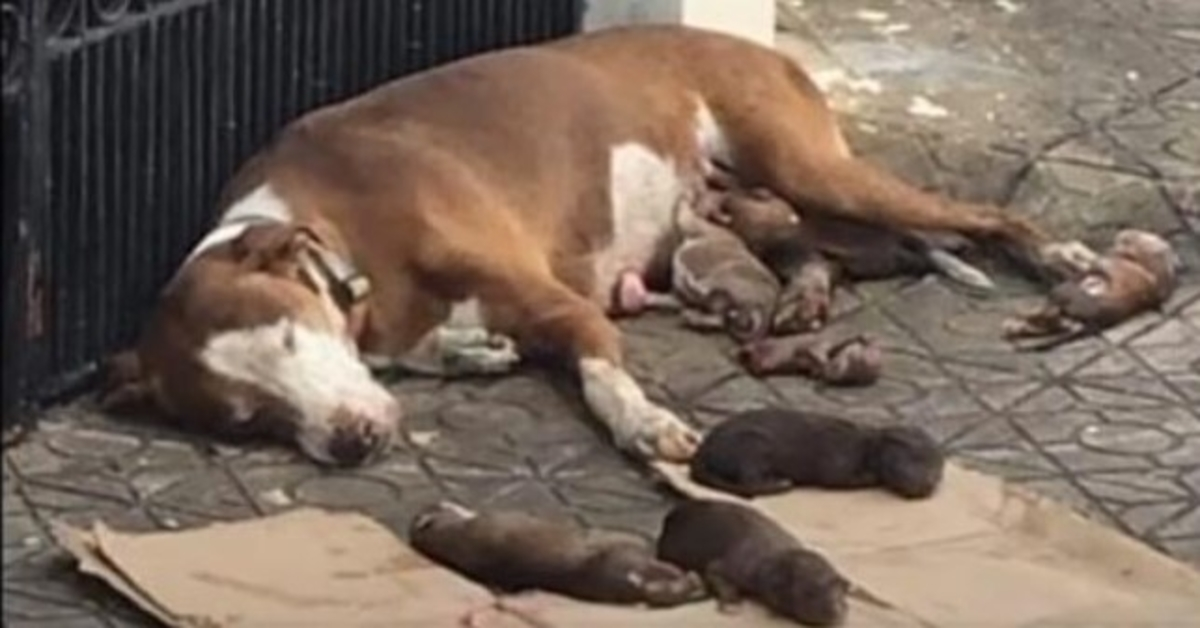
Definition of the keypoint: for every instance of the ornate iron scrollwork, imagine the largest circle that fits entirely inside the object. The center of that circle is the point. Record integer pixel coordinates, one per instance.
(14, 46)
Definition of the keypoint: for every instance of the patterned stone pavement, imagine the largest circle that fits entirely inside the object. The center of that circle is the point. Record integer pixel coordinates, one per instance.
(1110, 425)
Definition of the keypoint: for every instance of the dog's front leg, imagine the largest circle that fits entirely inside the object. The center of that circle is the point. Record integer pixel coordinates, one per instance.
(550, 314)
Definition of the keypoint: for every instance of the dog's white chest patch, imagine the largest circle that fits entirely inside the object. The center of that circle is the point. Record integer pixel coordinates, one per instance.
(645, 192)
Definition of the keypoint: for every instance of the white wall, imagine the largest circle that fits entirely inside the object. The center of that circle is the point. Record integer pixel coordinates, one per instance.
(753, 19)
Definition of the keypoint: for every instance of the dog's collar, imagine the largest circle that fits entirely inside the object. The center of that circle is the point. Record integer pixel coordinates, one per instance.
(348, 286)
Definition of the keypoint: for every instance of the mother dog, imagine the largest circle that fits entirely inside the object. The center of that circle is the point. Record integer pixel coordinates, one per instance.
(506, 193)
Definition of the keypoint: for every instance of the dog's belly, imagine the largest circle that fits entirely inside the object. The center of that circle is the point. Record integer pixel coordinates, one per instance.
(645, 191)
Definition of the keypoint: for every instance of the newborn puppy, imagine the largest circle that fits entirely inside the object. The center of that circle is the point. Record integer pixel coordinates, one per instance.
(1137, 274)
(514, 551)
(807, 296)
(717, 276)
(716, 272)
(743, 554)
(852, 361)
(769, 451)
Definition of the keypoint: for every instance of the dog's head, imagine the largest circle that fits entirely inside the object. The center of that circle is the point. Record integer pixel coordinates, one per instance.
(256, 334)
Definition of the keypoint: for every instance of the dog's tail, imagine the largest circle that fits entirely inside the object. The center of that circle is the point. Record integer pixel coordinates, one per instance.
(956, 269)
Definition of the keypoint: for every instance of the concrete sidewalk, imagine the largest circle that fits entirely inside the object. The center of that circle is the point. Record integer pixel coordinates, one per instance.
(1085, 113)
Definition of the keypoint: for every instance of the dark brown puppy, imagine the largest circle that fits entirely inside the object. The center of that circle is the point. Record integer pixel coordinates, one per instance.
(514, 551)
(768, 451)
(743, 554)
(1136, 274)
(852, 361)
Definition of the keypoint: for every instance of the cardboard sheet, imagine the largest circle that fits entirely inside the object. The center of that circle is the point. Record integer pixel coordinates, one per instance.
(980, 553)
(305, 567)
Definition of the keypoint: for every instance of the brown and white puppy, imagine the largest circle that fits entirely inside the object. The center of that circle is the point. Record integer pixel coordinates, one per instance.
(450, 233)
(514, 551)
(767, 451)
(1137, 274)
(851, 361)
(741, 553)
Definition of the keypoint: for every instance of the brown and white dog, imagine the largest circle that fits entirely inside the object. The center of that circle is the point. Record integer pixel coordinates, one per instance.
(439, 220)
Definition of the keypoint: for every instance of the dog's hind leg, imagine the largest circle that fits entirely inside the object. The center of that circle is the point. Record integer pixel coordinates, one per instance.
(795, 149)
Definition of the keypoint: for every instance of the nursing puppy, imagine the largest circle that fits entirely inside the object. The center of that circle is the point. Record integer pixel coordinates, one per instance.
(514, 551)
(1137, 274)
(717, 276)
(769, 451)
(743, 554)
(852, 361)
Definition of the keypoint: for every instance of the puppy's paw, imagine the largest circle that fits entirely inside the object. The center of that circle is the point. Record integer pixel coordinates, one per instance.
(1014, 328)
(1069, 259)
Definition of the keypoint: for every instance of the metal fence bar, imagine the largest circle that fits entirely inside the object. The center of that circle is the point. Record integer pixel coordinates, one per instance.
(123, 118)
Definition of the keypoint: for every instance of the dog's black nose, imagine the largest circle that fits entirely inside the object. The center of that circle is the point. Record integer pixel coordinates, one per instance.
(350, 445)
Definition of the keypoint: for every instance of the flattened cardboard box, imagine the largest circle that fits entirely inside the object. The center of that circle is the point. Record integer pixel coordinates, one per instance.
(979, 553)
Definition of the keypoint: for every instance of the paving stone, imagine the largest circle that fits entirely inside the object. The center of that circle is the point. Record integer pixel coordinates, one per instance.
(1185, 549)
(1176, 420)
(1147, 519)
(1138, 487)
(1066, 493)
(1186, 454)
(1127, 438)
(1186, 525)
(1055, 428)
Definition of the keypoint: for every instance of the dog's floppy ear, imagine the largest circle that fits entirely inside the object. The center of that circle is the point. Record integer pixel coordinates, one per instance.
(125, 386)
(262, 247)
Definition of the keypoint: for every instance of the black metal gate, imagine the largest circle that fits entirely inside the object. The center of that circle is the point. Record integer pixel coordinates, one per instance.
(122, 118)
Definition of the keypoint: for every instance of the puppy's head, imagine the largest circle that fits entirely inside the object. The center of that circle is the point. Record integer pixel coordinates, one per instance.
(1148, 250)
(760, 218)
(856, 361)
(743, 319)
(908, 462)
(803, 585)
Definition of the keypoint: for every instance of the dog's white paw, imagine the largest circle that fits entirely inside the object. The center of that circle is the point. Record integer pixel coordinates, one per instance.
(475, 351)
(662, 436)
(637, 424)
